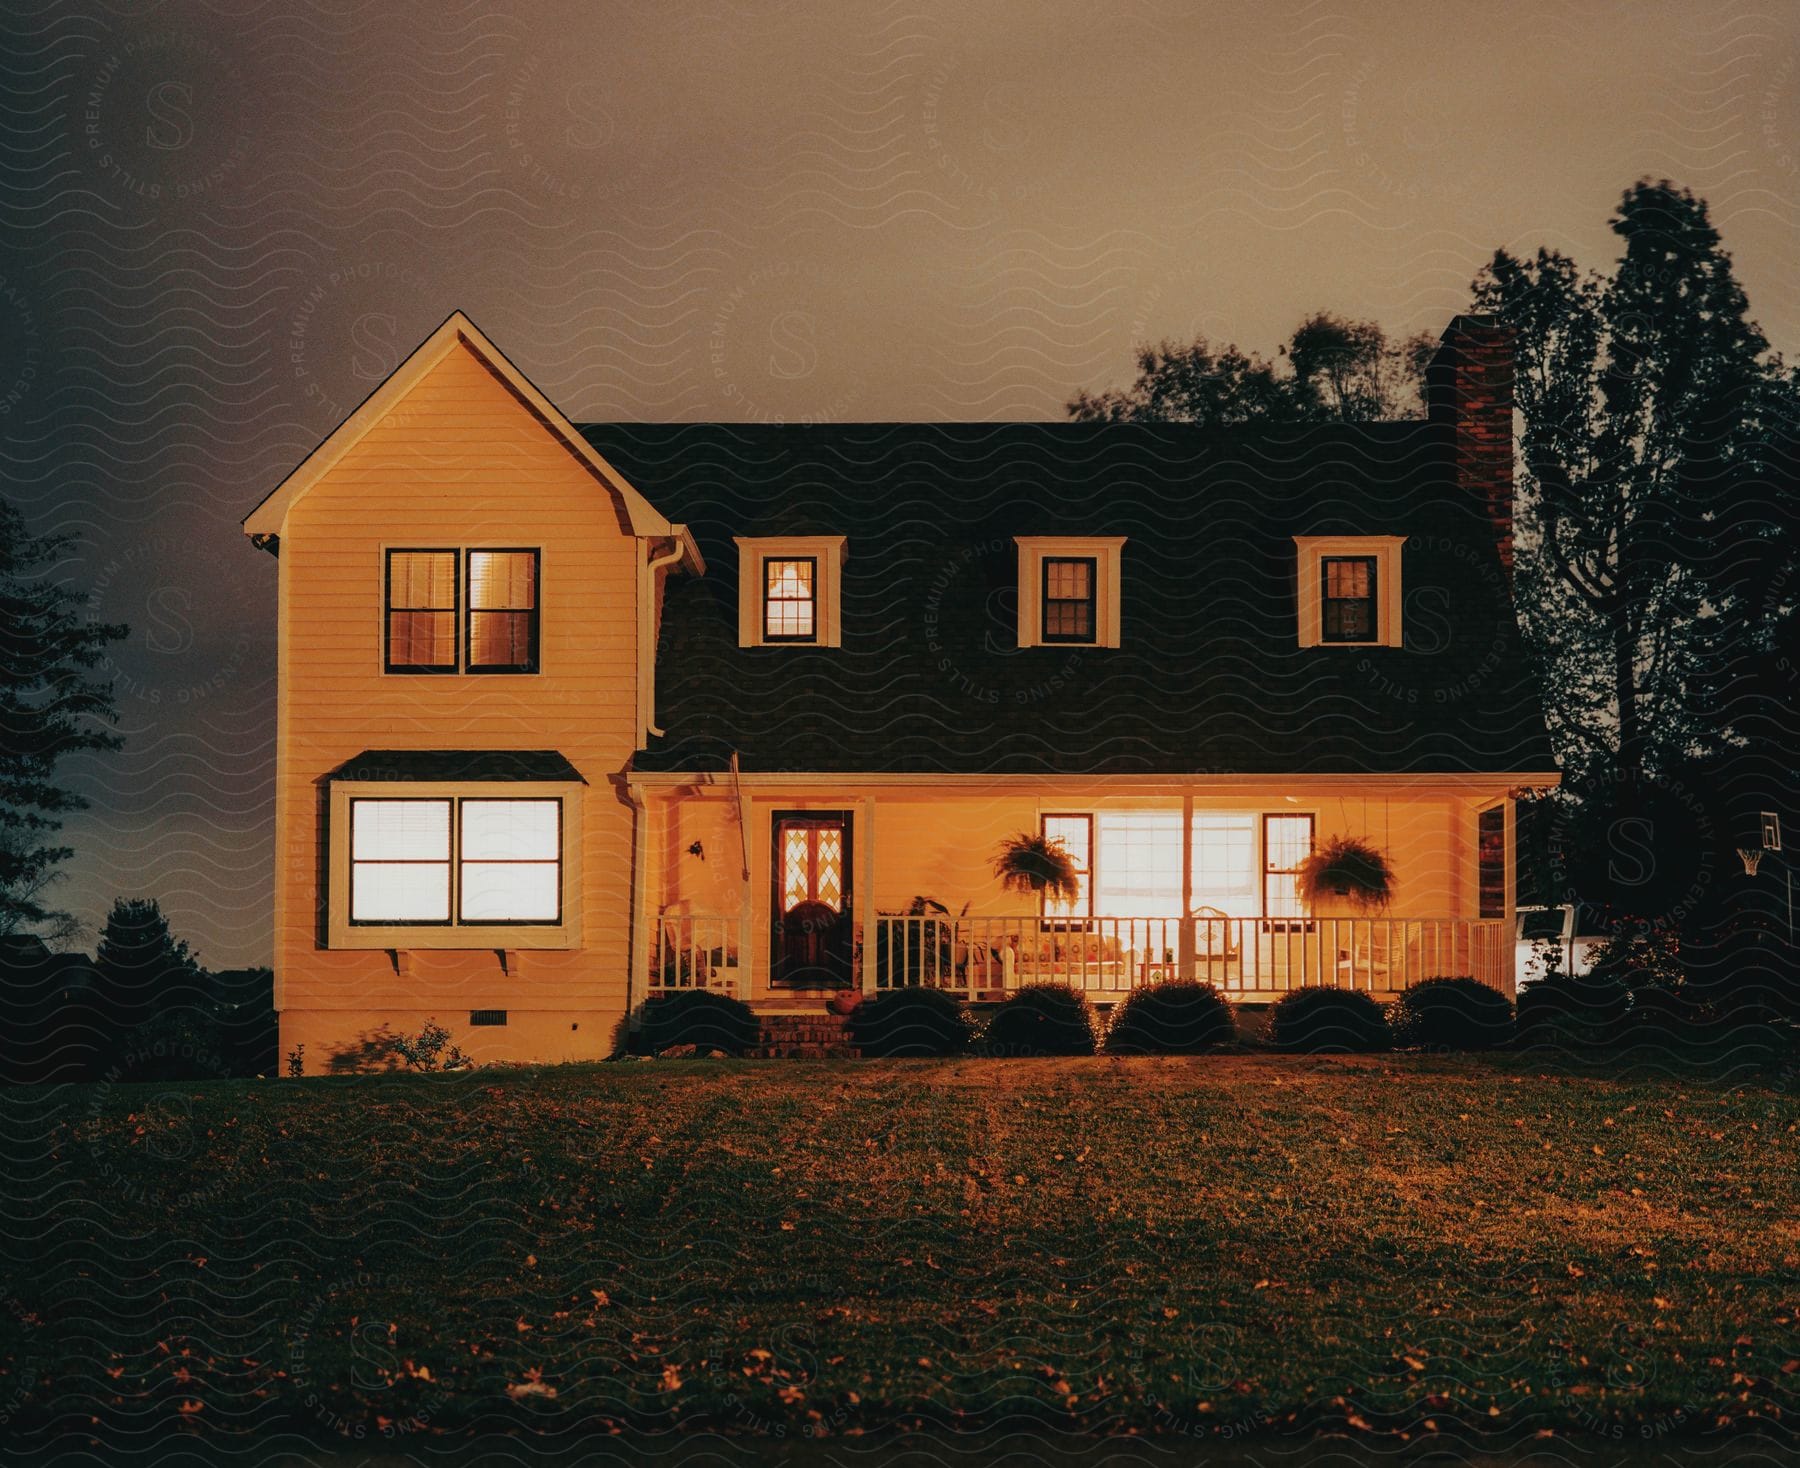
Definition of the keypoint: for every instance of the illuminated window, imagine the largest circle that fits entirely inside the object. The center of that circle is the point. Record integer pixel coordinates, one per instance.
(421, 611)
(1138, 863)
(1070, 598)
(1287, 842)
(812, 862)
(1347, 599)
(510, 868)
(503, 617)
(507, 855)
(400, 861)
(790, 601)
(790, 590)
(1490, 845)
(1076, 832)
(1224, 861)
(1347, 590)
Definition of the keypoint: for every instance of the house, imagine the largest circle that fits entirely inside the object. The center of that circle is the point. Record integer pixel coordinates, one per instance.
(571, 716)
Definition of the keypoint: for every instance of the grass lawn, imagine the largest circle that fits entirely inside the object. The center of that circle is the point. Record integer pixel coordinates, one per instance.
(1235, 1247)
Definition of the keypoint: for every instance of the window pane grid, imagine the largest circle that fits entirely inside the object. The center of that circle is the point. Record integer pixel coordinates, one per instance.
(1069, 599)
(1348, 598)
(1287, 841)
(503, 610)
(1077, 836)
(790, 601)
(421, 610)
(506, 856)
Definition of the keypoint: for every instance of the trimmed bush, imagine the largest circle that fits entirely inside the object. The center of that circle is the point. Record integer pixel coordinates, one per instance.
(1319, 1020)
(1175, 1017)
(1451, 1014)
(912, 1022)
(1573, 1010)
(1042, 1019)
(698, 1017)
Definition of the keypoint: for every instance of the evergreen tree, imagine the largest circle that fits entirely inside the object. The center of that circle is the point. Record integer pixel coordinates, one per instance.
(49, 708)
(143, 973)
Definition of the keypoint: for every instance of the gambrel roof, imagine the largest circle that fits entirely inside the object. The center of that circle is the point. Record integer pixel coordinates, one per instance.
(1209, 677)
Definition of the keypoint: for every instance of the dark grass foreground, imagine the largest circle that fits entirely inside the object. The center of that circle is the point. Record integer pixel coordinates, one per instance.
(1230, 1247)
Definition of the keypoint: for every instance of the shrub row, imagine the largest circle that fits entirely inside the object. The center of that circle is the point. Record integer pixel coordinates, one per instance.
(1185, 1017)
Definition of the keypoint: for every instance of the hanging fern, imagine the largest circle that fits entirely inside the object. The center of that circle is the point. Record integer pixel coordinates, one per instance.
(1350, 868)
(1038, 865)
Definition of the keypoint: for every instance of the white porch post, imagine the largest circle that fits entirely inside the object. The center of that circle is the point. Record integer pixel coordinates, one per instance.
(748, 956)
(865, 901)
(1184, 935)
(637, 953)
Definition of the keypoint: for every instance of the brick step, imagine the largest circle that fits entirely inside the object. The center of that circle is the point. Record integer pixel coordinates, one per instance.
(786, 1051)
(808, 1036)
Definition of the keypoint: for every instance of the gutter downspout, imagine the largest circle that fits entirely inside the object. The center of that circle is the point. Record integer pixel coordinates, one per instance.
(647, 632)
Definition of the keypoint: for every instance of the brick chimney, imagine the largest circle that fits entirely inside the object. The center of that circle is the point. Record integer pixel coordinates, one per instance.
(1469, 387)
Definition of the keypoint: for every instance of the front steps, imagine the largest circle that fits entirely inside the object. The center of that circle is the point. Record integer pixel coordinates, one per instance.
(817, 1036)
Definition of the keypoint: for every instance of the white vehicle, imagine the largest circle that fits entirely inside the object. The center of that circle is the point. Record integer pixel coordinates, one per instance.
(1568, 933)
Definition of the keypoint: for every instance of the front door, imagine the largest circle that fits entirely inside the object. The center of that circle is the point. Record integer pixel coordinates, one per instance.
(811, 926)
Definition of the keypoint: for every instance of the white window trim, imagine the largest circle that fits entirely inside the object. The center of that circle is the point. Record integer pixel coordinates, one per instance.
(1312, 549)
(828, 551)
(341, 933)
(1034, 549)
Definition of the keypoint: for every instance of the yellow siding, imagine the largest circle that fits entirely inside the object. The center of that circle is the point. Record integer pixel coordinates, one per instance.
(459, 461)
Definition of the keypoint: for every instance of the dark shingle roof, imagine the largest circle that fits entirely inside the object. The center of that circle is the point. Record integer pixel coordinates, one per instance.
(456, 764)
(1209, 678)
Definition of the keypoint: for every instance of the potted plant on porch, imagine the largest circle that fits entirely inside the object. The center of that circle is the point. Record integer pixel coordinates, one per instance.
(1348, 869)
(1040, 865)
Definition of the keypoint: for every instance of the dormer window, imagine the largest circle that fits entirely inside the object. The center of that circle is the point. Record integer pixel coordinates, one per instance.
(1069, 590)
(790, 599)
(1070, 600)
(788, 590)
(1349, 590)
(1348, 599)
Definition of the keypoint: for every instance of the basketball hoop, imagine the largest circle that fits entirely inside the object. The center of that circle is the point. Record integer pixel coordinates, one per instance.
(1752, 857)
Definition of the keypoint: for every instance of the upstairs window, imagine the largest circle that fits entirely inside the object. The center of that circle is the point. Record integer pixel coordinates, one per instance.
(1348, 590)
(790, 599)
(435, 623)
(421, 611)
(1070, 599)
(1069, 590)
(1347, 599)
(503, 619)
(789, 590)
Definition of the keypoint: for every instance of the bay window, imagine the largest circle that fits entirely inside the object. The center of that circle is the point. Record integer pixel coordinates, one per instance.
(441, 864)
(506, 856)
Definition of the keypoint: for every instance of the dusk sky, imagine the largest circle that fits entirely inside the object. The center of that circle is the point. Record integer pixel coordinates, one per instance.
(226, 223)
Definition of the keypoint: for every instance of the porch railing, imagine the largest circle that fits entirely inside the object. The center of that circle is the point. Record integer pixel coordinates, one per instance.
(1104, 956)
(1247, 955)
(697, 951)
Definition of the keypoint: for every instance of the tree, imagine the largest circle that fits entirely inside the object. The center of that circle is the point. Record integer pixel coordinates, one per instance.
(1645, 398)
(1348, 371)
(147, 984)
(49, 709)
(1337, 371)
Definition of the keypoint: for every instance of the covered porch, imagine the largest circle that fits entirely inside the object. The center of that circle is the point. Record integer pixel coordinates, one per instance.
(783, 887)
